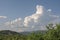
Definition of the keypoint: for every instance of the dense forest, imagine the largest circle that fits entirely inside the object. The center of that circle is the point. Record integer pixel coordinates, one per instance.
(52, 33)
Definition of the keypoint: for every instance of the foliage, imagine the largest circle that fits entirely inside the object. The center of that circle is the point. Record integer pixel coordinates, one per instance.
(53, 33)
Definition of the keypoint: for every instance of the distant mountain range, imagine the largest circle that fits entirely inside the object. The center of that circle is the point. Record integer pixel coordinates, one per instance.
(8, 32)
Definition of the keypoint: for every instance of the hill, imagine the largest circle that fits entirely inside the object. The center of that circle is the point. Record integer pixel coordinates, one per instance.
(8, 32)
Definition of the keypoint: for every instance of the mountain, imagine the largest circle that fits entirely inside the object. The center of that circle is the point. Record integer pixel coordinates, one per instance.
(8, 32)
(12, 35)
(37, 31)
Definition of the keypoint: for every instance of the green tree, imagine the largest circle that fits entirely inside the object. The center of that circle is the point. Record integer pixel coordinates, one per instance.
(53, 32)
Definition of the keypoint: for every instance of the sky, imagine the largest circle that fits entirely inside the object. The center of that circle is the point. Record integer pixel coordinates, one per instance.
(28, 15)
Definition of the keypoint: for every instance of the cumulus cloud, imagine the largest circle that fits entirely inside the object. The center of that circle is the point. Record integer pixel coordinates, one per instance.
(36, 21)
(17, 22)
(30, 20)
(3, 17)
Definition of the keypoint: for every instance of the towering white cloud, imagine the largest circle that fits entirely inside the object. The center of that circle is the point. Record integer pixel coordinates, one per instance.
(36, 21)
(30, 20)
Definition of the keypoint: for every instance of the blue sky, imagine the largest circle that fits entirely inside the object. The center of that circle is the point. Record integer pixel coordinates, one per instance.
(21, 8)
(14, 9)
